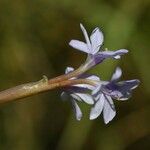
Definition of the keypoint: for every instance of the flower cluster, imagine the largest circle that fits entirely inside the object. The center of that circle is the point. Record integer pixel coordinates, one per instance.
(99, 94)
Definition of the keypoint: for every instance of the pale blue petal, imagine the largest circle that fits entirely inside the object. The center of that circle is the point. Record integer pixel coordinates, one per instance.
(76, 109)
(93, 77)
(96, 90)
(76, 89)
(79, 45)
(124, 98)
(96, 93)
(117, 57)
(87, 98)
(115, 53)
(86, 37)
(97, 39)
(97, 97)
(132, 84)
(102, 55)
(85, 86)
(117, 74)
(98, 107)
(109, 111)
(76, 97)
(125, 88)
(69, 69)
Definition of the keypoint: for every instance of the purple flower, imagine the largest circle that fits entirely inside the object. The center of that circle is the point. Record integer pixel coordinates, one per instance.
(79, 92)
(102, 55)
(107, 91)
(93, 45)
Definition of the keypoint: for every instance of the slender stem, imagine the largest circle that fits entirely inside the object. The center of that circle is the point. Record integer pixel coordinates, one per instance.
(83, 68)
(33, 88)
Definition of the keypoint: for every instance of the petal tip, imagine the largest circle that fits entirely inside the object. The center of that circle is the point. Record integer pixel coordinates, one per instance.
(125, 50)
(71, 43)
(93, 116)
(106, 121)
(138, 81)
(81, 26)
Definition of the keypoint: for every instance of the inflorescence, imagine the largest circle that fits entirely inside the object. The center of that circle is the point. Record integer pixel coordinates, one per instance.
(92, 90)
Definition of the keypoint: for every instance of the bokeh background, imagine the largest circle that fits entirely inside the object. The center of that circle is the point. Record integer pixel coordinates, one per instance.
(34, 38)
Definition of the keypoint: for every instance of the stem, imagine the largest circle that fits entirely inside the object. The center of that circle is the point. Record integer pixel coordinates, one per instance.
(43, 85)
(33, 88)
(83, 68)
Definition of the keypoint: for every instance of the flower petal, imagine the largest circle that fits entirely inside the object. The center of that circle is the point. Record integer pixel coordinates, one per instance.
(79, 45)
(101, 56)
(116, 94)
(97, 39)
(125, 97)
(131, 84)
(117, 57)
(96, 93)
(78, 88)
(109, 111)
(117, 74)
(85, 86)
(126, 87)
(86, 37)
(93, 77)
(87, 98)
(90, 77)
(69, 69)
(76, 109)
(76, 97)
(98, 107)
(96, 90)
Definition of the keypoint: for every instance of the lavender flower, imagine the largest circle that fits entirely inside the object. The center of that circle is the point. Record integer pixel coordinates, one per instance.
(92, 46)
(79, 92)
(104, 93)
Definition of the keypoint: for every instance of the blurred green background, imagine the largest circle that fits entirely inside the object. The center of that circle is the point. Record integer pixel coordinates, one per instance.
(34, 38)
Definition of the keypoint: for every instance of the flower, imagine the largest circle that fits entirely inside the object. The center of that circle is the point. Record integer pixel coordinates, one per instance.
(107, 91)
(93, 45)
(79, 92)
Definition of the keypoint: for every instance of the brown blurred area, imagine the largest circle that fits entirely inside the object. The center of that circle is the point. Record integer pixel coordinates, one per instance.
(34, 38)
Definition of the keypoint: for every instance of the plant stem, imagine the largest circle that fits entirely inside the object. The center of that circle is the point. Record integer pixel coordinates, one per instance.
(33, 88)
(83, 68)
(43, 85)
